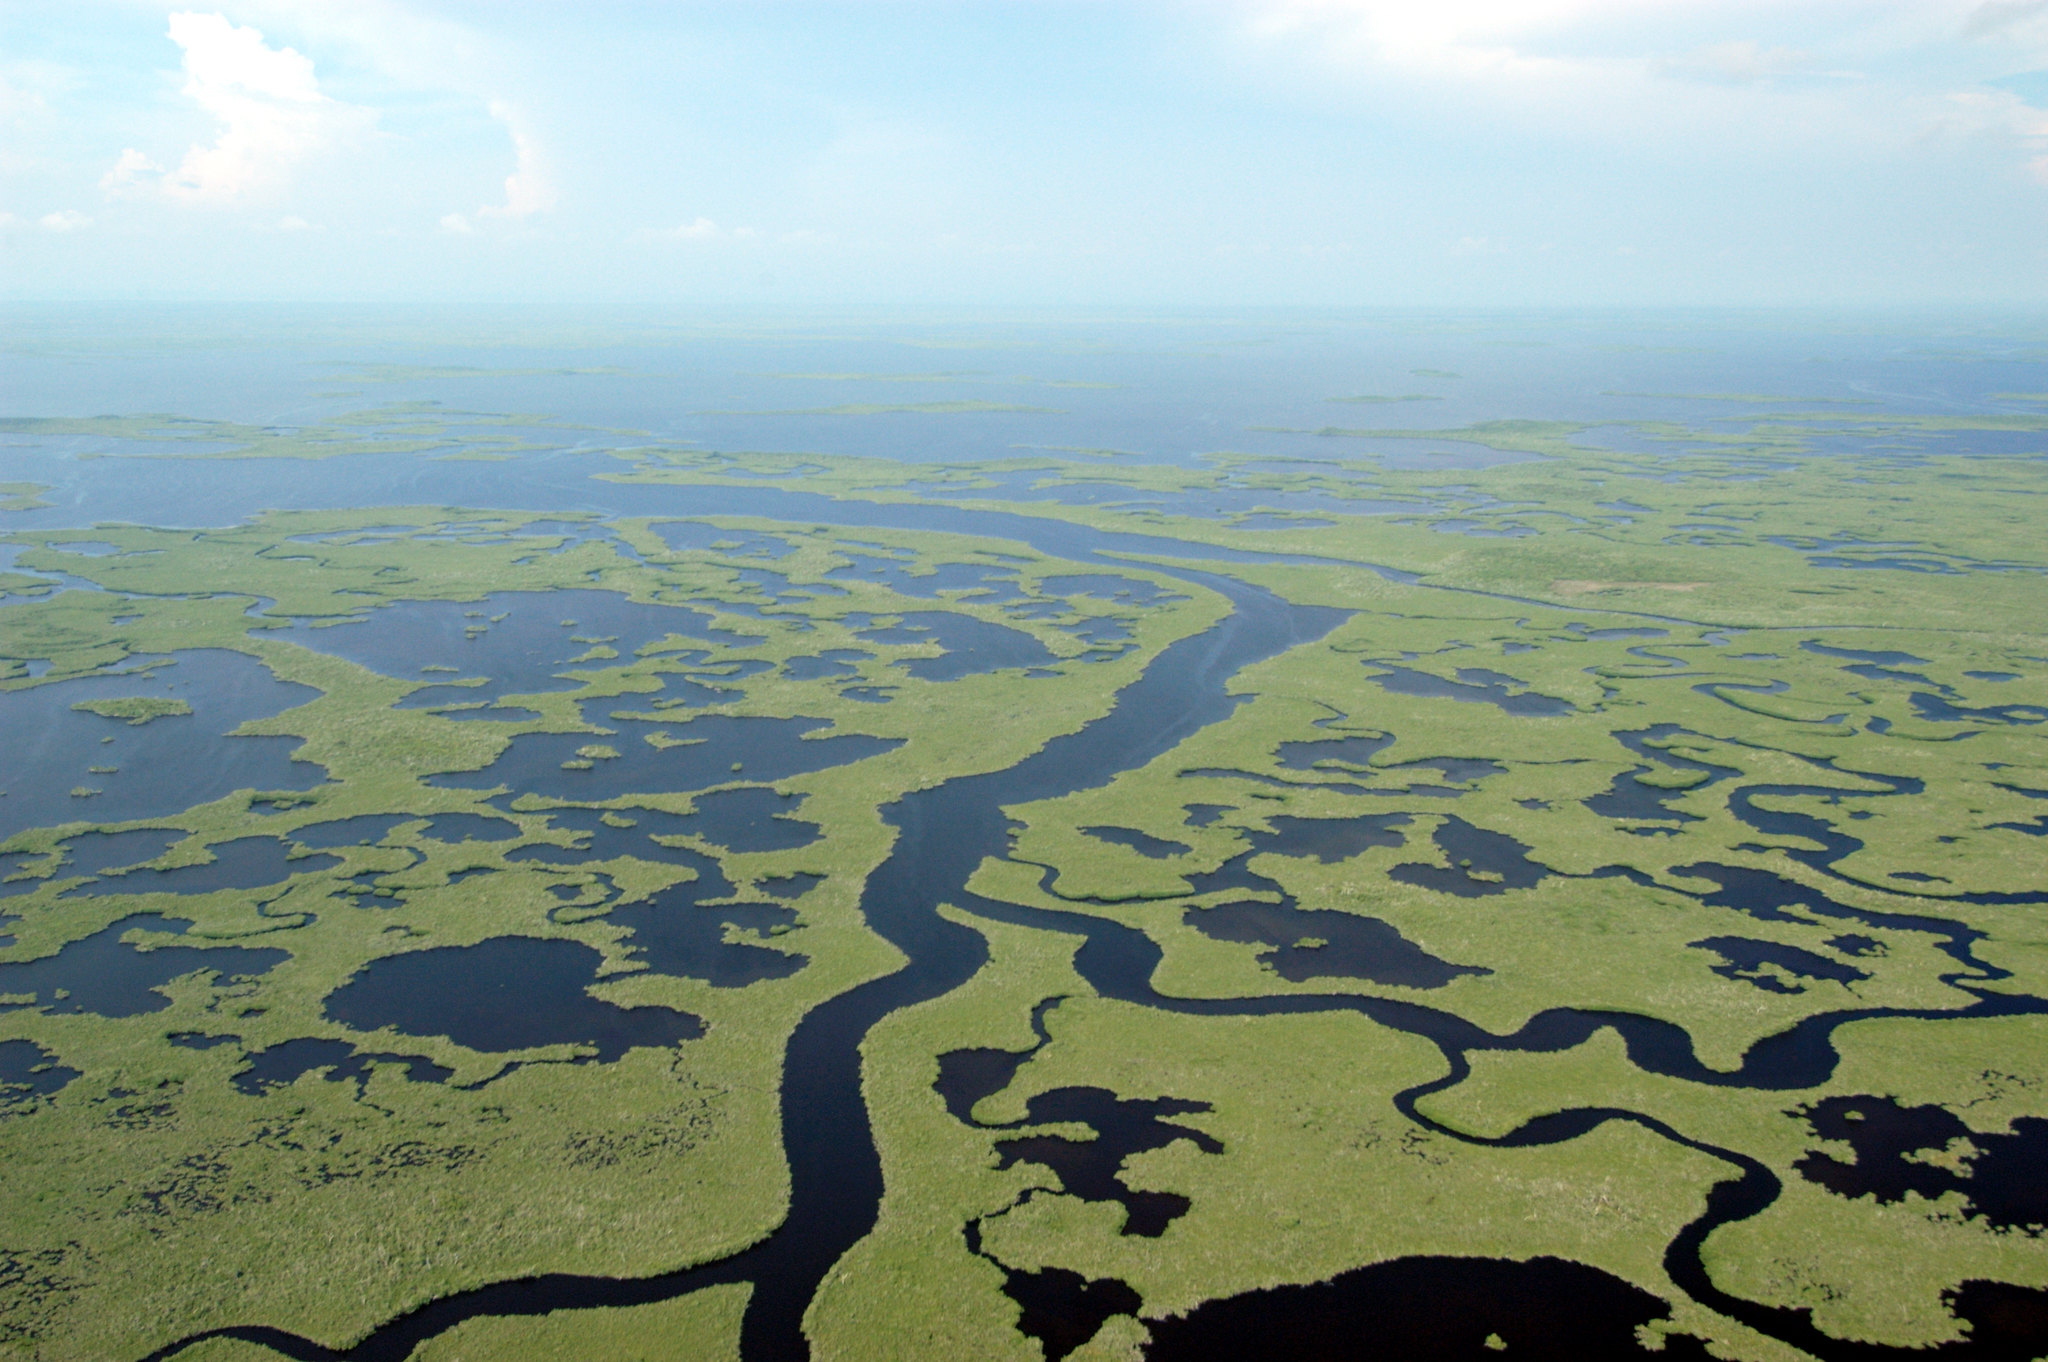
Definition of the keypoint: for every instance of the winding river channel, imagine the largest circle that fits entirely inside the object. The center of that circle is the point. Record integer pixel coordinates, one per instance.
(942, 835)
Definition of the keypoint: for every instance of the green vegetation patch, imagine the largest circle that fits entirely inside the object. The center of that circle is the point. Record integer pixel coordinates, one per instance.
(401, 428)
(136, 709)
(703, 1326)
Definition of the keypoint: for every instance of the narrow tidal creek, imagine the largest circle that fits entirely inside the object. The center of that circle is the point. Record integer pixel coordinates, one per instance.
(942, 836)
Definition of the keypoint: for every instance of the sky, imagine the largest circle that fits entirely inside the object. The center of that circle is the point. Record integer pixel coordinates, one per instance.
(1323, 153)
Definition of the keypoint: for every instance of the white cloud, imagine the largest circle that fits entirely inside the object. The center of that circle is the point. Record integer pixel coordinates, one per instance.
(421, 51)
(1746, 60)
(1991, 113)
(65, 220)
(1604, 65)
(528, 189)
(267, 101)
(1568, 50)
(19, 103)
(292, 222)
(1819, 83)
(28, 121)
(1538, 67)
(703, 229)
(1444, 37)
(456, 225)
(1995, 17)
(132, 172)
(1478, 245)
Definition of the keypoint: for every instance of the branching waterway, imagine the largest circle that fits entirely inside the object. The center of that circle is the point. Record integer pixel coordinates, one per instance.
(943, 834)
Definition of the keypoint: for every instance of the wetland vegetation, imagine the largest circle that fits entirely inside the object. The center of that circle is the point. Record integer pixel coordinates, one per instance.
(524, 886)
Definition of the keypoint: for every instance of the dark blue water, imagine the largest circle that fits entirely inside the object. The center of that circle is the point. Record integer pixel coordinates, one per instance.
(151, 769)
(724, 748)
(505, 643)
(507, 993)
(117, 973)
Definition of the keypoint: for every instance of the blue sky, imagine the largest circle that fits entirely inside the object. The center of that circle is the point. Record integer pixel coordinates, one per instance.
(1318, 152)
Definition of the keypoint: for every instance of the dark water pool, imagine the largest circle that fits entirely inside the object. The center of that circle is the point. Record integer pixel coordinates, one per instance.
(1481, 862)
(508, 643)
(1091, 1169)
(1353, 753)
(2000, 1179)
(1425, 1309)
(506, 993)
(834, 664)
(971, 646)
(1329, 840)
(1144, 843)
(95, 852)
(336, 1061)
(1746, 958)
(674, 933)
(984, 583)
(360, 831)
(1474, 684)
(106, 976)
(160, 767)
(1308, 943)
(244, 863)
(27, 1072)
(694, 534)
(753, 818)
(713, 749)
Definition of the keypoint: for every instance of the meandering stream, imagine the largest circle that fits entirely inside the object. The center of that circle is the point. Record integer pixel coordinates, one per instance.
(942, 835)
